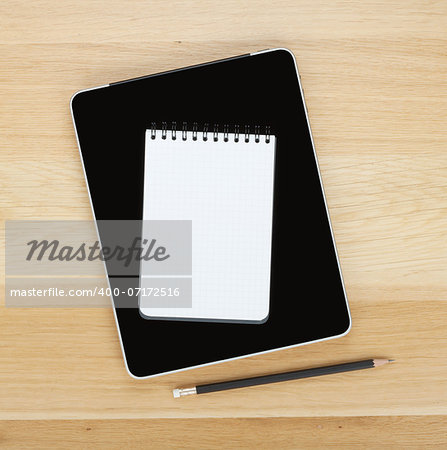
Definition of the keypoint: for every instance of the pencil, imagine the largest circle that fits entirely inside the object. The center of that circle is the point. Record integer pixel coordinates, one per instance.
(278, 377)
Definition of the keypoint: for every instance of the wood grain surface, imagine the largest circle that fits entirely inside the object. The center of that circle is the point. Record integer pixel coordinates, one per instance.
(284, 433)
(374, 75)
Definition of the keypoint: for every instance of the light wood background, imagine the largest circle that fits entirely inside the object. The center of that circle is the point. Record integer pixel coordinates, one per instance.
(375, 80)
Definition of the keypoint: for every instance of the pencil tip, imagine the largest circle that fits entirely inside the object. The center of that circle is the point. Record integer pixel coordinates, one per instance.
(381, 362)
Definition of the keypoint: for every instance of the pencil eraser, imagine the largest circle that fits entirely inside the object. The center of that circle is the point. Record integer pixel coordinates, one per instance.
(176, 393)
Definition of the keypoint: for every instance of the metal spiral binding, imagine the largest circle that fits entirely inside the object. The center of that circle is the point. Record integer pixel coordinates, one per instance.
(206, 130)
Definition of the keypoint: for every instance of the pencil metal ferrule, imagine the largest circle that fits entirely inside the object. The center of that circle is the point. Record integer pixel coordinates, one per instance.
(182, 392)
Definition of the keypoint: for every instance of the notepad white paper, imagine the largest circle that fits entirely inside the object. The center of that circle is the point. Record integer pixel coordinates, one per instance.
(226, 190)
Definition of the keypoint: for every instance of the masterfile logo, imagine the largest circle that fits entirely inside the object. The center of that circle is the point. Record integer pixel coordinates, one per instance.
(64, 263)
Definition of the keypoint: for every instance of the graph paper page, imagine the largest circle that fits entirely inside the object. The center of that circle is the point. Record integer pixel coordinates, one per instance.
(226, 190)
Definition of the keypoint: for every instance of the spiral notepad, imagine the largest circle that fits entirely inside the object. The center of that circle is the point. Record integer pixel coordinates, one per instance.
(221, 180)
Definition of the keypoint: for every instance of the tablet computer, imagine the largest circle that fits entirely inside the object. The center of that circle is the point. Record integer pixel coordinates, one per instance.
(307, 297)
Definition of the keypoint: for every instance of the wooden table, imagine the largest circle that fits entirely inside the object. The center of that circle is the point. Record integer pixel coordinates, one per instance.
(375, 79)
